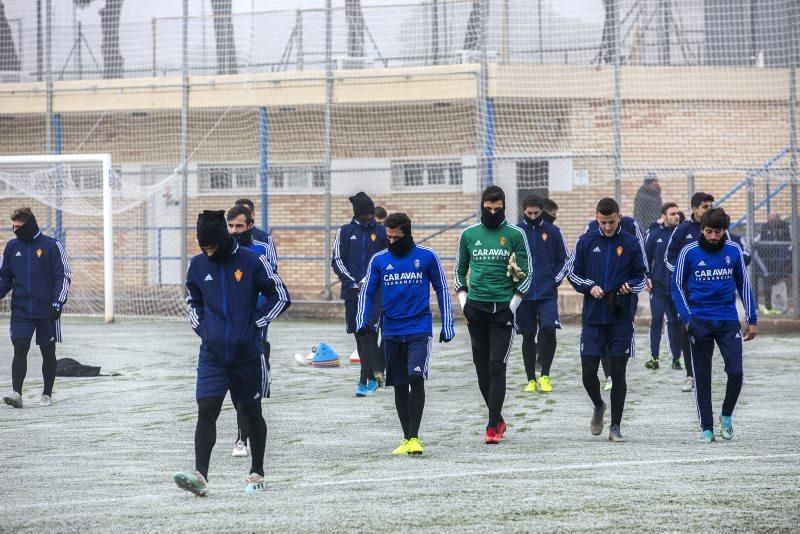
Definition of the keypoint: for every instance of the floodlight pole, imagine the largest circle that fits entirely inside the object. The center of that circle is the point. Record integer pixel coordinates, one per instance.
(328, 143)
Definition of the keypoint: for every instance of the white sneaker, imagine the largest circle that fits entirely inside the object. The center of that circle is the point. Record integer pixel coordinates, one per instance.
(45, 401)
(13, 399)
(239, 450)
(608, 385)
(255, 482)
(688, 384)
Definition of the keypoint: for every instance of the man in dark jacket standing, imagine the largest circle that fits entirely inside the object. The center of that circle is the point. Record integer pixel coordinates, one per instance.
(35, 266)
(223, 284)
(647, 203)
(355, 244)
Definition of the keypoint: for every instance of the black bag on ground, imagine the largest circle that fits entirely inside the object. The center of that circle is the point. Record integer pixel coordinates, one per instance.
(70, 367)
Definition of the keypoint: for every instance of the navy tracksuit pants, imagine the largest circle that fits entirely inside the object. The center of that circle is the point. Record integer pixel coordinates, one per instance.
(660, 306)
(703, 334)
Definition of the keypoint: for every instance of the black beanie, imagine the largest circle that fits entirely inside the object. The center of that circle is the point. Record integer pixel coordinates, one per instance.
(212, 229)
(362, 204)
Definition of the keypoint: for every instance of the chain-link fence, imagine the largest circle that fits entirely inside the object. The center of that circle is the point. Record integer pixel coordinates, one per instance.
(420, 104)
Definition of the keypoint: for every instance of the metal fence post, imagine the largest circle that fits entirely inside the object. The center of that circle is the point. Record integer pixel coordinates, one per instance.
(691, 188)
(48, 66)
(184, 139)
(750, 224)
(617, 107)
(795, 217)
(328, 143)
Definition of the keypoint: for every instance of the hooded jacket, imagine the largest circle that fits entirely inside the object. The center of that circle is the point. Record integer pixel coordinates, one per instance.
(38, 272)
(223, 303)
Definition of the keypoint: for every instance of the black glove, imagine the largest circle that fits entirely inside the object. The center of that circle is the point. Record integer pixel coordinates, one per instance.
(443, 339)
(55, 312)
(363, 331)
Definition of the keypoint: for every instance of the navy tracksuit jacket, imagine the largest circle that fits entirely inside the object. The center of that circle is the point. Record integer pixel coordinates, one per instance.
(607, 262)
(223, 303)
(38, 272)
(549, 258)
(354, 246)
(661, 295)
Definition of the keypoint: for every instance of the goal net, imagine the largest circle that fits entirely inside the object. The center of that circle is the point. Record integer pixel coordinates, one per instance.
(121, 232)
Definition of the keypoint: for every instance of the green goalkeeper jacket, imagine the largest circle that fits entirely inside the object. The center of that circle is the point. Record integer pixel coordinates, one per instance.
(482, 262)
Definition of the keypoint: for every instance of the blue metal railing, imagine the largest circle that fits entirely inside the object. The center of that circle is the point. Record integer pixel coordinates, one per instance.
(769, 193)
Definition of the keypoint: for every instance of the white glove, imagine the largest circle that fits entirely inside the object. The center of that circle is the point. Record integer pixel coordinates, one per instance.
(462, 299)
(516, 300)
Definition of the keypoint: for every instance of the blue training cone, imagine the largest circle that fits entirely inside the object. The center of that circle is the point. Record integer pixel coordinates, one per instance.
(324, 356)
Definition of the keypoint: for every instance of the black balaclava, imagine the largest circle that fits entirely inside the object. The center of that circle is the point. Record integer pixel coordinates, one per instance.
(402, 246)
(244, 238)
(537, 222)
(708, 246)
(362, 205)
(27, 231)
(212, 229)
(546, 217)
(493, 220)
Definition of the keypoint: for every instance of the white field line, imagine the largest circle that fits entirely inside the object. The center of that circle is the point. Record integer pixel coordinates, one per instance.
(567, 467)
(410, 478)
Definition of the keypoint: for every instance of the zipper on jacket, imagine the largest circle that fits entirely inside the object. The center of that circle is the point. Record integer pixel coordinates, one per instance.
(605, 276)
(30, 283)
(225, 310)
(532, 268)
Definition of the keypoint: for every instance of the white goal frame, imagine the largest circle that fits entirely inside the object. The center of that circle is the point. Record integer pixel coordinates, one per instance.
(108, 213)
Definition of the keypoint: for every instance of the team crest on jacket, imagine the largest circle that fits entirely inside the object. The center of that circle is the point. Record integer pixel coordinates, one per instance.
(238, 275)
(727, 258)
(39, 253)
(416, 263)
(373, 237)
(502, 241)
(619, 251)
(544, 236)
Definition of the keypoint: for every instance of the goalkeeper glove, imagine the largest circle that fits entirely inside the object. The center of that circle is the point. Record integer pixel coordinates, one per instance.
(513, 271)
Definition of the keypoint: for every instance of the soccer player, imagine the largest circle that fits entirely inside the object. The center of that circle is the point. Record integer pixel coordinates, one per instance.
(608, 268)
(686, 233)
(630, 226)
(259, 235)
(356, 242)
(539, 308)
(550, 210)
(223, 284)
(36, 268)
(658, 284)
(404, 273)
(707, 276)
(240, 226)
(380, 214)
(489, 298)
